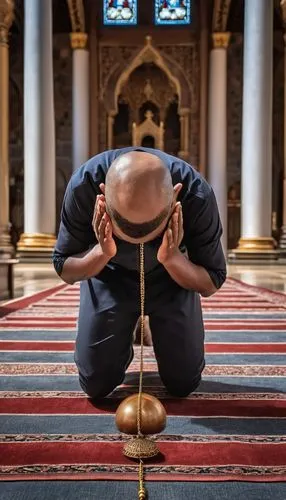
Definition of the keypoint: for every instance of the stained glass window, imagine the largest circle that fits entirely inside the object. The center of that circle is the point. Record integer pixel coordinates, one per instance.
(118, 12)
(172, 11)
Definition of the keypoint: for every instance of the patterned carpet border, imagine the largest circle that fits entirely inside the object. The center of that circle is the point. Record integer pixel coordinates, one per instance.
(152, 473)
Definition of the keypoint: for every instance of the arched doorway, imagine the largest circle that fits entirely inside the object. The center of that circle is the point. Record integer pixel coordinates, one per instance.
(148, 91)
(149, 83)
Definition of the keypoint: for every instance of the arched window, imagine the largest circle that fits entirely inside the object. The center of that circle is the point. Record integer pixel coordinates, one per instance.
(172, 12)
(120, 12)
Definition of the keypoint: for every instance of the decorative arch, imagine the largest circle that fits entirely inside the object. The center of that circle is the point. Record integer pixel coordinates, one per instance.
(149, 54)
(120, 76)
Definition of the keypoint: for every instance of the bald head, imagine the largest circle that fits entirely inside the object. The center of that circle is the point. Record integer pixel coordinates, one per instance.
(139, 193)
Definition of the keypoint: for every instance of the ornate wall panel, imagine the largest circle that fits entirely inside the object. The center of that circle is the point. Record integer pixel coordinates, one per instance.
(181, 60)
(278, 135)
(63, 114)
(234, 107)
(187, 58)
(16, 151)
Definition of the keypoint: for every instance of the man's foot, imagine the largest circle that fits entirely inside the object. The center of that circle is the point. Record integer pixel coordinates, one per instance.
(147, 337)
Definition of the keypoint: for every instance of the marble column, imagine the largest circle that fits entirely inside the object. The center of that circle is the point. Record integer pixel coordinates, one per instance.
(39, 133)
(204, 55)
(282, 242)
(80, 99)
(6, 18)
(256, 200)
(217, 129)
(94, 82)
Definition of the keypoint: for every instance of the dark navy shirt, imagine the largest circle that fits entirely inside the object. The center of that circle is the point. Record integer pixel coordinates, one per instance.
(202, 226)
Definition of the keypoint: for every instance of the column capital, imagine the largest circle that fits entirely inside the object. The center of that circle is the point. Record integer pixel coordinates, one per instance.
(6, 19)
(184, 112)
(78, 40)
(220, 40)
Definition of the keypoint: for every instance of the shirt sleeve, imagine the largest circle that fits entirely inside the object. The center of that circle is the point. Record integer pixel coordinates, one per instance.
(203, 231)
(76, 233)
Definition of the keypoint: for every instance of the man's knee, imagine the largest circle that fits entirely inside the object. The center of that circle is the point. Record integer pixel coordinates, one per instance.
(97, 386)
(182, 387)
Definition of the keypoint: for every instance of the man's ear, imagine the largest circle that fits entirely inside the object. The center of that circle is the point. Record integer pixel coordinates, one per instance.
(102, 188)
(177, 188)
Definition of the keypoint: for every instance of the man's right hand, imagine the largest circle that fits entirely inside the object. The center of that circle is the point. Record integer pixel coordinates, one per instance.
(103, 228)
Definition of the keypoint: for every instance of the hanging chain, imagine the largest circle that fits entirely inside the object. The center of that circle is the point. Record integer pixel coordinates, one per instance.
(142, 304)
(141, 491)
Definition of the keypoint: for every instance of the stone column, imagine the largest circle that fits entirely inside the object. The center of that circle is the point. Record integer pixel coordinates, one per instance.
(256, 204)
(217, 130)
(80, 99)
(6, 18)
(94, 82)
(39, 133)
(282, 242)
(204, 55)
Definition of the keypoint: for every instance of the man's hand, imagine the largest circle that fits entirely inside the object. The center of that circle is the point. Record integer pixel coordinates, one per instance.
(172, 236)
(102, 227)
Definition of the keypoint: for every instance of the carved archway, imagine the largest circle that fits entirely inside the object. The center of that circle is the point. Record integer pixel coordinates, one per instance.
(148, 54)
(119, 77)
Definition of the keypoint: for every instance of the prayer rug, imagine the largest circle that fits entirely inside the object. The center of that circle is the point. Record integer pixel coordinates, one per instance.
(231, 429)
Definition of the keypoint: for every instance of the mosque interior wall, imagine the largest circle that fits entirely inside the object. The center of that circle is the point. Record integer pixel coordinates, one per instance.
(118, 48)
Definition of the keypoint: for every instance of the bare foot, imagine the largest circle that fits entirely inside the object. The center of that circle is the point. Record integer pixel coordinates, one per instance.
(147, 337)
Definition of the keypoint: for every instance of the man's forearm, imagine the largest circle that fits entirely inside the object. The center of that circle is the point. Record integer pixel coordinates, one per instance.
(189, 275)
(82, 267)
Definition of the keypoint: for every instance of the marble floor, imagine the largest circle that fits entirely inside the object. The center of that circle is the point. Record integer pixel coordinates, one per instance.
(31, 278)
(271, 276)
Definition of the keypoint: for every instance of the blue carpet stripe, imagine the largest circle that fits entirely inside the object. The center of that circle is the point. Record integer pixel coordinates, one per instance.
(244, 315)
(104, 424)
(246, 336)
(104, 490)
(66, 357)
(211, 336)
(208, 384)
(37, 335)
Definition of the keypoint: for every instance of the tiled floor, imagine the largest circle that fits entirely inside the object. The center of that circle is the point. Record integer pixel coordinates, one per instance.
(270, 276)
(30, 278)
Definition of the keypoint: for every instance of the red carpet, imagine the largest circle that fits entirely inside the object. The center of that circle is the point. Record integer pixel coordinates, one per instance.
(232, 428)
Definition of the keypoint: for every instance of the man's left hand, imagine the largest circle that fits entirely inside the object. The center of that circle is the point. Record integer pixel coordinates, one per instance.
(172, 237)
